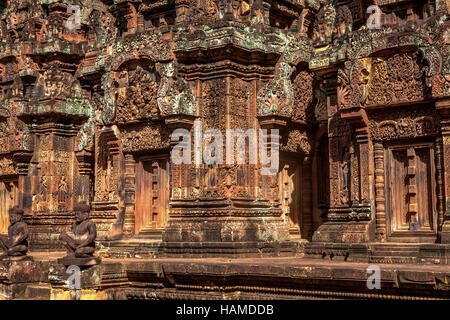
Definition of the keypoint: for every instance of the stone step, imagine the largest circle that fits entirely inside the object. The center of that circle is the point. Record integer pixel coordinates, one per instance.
(382, 252)
(37, 292)
(398, 248)
(132, 248)
(150, 233)
(394, 251)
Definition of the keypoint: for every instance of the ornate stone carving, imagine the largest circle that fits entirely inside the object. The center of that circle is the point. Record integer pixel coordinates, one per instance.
(85, 137)
(354, 84)
(80, 243)
(175, 96)
(7, 166)
(398, 78)
(15, 244)
(5, 137)
(136, 95)
(396, 124)
(296, 140)
(344, 21)
(303, 86)
(145, 137)
(321, 108)
(323, 26)
(277, 97)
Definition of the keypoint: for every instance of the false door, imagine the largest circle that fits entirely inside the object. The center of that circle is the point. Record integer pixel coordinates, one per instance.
(411, 198)
(152, 195)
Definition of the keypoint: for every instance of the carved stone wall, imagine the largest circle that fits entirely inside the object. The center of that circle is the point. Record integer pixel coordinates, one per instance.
(87, 113)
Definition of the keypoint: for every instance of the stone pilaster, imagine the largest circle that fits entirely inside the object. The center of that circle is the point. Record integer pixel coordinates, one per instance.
(85, 170)
(129, 220)
(444, 108)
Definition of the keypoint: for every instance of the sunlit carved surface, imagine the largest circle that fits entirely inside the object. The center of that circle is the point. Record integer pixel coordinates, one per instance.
(93, 92)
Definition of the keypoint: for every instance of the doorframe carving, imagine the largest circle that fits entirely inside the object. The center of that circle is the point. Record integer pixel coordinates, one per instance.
(383, 232)
(139, 180)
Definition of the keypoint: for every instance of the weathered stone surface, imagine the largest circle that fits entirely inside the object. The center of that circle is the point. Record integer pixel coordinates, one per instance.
(92, 93)
(216, 278)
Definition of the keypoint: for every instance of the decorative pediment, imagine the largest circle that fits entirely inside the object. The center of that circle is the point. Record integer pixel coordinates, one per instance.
(414, 122)
(277, 96)
(136, 94)
(379, 81)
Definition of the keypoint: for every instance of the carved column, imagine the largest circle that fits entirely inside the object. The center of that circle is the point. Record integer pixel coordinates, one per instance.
(380, 215)
(440, 192)
(52, 182)
(129, 220)
(22, 161)
(85, 168)
(362, 140)
(307, 222)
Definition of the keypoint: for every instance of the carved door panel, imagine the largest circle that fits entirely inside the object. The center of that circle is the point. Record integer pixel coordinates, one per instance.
(290, 192)
(9, 196)
(152, 194)
(410, 194)
(398, 185)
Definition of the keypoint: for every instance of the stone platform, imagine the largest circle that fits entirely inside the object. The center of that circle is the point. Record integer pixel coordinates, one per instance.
(220, 278)
(388, 252)
(152, 248)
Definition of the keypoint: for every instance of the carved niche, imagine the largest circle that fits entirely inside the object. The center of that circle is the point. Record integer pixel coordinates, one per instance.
(342, 156)
(100, 28)
(5, 38)
(10, 83)
(155, 15)
(107, 166)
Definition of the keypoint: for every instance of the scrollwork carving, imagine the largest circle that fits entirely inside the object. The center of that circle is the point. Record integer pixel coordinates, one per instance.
(413, 123)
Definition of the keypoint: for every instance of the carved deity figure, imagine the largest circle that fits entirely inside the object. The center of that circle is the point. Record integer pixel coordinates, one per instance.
(345, 172)
(81, 243)
(62, 190)
(15, 244)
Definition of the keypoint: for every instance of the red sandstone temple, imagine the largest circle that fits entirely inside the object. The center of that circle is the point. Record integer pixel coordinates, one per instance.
(92, 91)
